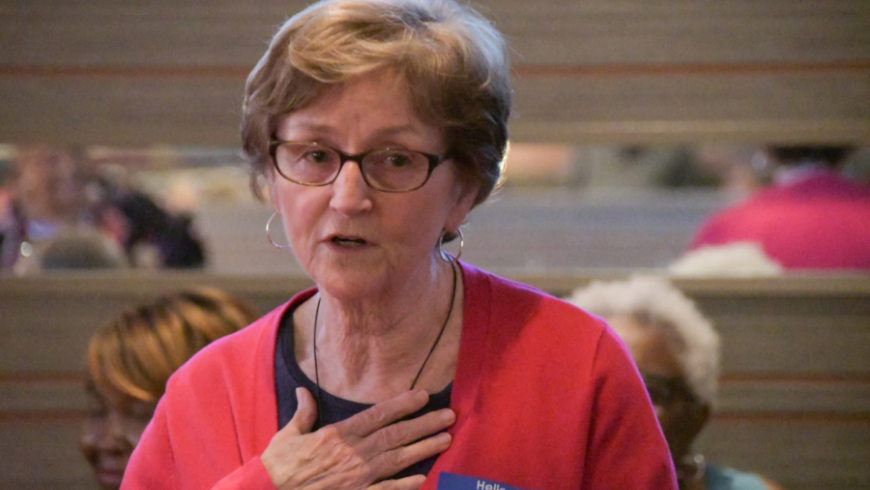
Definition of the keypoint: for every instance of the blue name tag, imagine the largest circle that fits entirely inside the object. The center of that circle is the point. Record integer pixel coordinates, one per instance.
(449, 481)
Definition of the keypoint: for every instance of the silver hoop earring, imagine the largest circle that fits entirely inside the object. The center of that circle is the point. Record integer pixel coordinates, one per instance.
(446, 257)
(269, 232)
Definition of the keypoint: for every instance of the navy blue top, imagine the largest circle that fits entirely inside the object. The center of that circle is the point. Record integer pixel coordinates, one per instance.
(289, 376)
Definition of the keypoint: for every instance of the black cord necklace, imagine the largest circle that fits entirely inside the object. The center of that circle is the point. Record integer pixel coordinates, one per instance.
(416, 378)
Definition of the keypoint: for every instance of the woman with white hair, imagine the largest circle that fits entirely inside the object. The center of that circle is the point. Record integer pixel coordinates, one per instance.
(676, 351)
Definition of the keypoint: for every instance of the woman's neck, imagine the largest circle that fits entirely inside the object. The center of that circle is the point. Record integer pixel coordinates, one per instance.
(372, 349)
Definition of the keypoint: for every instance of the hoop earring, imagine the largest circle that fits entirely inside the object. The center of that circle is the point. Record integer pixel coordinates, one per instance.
(269, 232)
(446, 257)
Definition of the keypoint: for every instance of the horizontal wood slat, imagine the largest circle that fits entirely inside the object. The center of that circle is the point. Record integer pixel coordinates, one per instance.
(206, 111)
(121, 111)
(560, 32)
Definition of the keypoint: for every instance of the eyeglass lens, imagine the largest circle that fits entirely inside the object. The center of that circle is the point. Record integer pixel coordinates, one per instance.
(388, 169)
(664, 390)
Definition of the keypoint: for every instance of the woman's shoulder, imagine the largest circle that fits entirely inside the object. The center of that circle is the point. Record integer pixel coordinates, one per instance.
(505, 290)
(514, 303)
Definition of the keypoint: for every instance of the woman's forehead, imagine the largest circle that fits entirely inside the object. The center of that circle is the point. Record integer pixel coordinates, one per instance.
(363, 107)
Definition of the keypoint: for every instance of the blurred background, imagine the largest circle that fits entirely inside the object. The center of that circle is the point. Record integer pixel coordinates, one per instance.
(633, 122)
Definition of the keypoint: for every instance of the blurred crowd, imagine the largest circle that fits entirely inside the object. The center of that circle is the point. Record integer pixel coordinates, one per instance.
(59, 210)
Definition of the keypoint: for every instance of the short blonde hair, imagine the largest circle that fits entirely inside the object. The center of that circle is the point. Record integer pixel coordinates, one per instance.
(136, 353)
(655, 303)
(453, 61)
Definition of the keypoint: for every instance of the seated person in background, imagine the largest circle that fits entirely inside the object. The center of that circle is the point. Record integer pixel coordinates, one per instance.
(52, 189)
(9, 229)
(43, 195)
(151, 236)
(130, 359)
(677, 353)
(810, 218)
(82, 249)
(75, 248)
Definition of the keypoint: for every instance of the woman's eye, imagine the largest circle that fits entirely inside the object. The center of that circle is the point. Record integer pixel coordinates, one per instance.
(398, 160)
(317, 156)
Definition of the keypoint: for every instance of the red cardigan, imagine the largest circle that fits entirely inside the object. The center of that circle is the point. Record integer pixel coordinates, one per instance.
(546, 397)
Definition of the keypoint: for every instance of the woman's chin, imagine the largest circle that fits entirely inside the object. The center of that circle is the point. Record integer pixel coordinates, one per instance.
(350, 286)
(109, 480)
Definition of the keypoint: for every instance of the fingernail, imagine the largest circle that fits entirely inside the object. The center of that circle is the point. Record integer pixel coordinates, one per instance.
(448, 416)
(444, 439)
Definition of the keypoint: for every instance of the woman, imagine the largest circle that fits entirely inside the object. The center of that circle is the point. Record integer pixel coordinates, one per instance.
(677, 352)
(45, 197)
(130, 359)
(792, 220)
(376, 126)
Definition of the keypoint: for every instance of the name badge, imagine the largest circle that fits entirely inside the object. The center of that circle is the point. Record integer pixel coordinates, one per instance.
(449, 481)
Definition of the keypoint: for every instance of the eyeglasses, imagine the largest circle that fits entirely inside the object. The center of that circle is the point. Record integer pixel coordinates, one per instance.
(387, 169)
(666, 390)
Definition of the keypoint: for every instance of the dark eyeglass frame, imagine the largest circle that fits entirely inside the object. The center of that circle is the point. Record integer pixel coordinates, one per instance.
(434, 161)
(676, 387)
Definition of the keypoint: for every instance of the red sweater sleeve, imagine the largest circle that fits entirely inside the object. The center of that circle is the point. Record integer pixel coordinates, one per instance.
(626, 446)
(161, 461)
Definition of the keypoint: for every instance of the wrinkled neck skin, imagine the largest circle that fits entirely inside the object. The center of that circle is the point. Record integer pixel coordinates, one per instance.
(369, 349)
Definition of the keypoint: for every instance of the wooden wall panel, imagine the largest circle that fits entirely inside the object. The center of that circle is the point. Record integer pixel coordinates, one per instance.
(137, 33)
(749, 107)
(110, 72)
(226, 33)
(125, 111)
(205, 110)
(602, 32)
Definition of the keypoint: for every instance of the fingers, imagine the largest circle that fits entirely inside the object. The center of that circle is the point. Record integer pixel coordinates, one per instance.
(409, 483)
(306, 413)
(393, 461)
(384, 413)
(408, 431)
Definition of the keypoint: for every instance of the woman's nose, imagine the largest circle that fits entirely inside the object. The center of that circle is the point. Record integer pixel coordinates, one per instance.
(350, 193)
(115, 435)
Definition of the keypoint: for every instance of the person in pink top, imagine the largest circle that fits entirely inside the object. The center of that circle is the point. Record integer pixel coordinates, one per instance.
(377, 125)
(810, 218)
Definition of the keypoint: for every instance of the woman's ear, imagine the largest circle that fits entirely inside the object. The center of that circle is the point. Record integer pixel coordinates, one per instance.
(271, 187)
(466, 194)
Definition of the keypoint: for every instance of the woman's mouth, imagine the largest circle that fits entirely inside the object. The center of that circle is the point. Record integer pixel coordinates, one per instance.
(348, 242)
(110, 477)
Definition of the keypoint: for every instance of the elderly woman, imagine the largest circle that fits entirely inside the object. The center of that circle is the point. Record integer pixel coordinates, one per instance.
(677, 352)
(130, 359)
(376, 126)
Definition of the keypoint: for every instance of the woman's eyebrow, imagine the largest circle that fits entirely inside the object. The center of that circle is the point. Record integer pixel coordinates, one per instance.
(327, 129)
